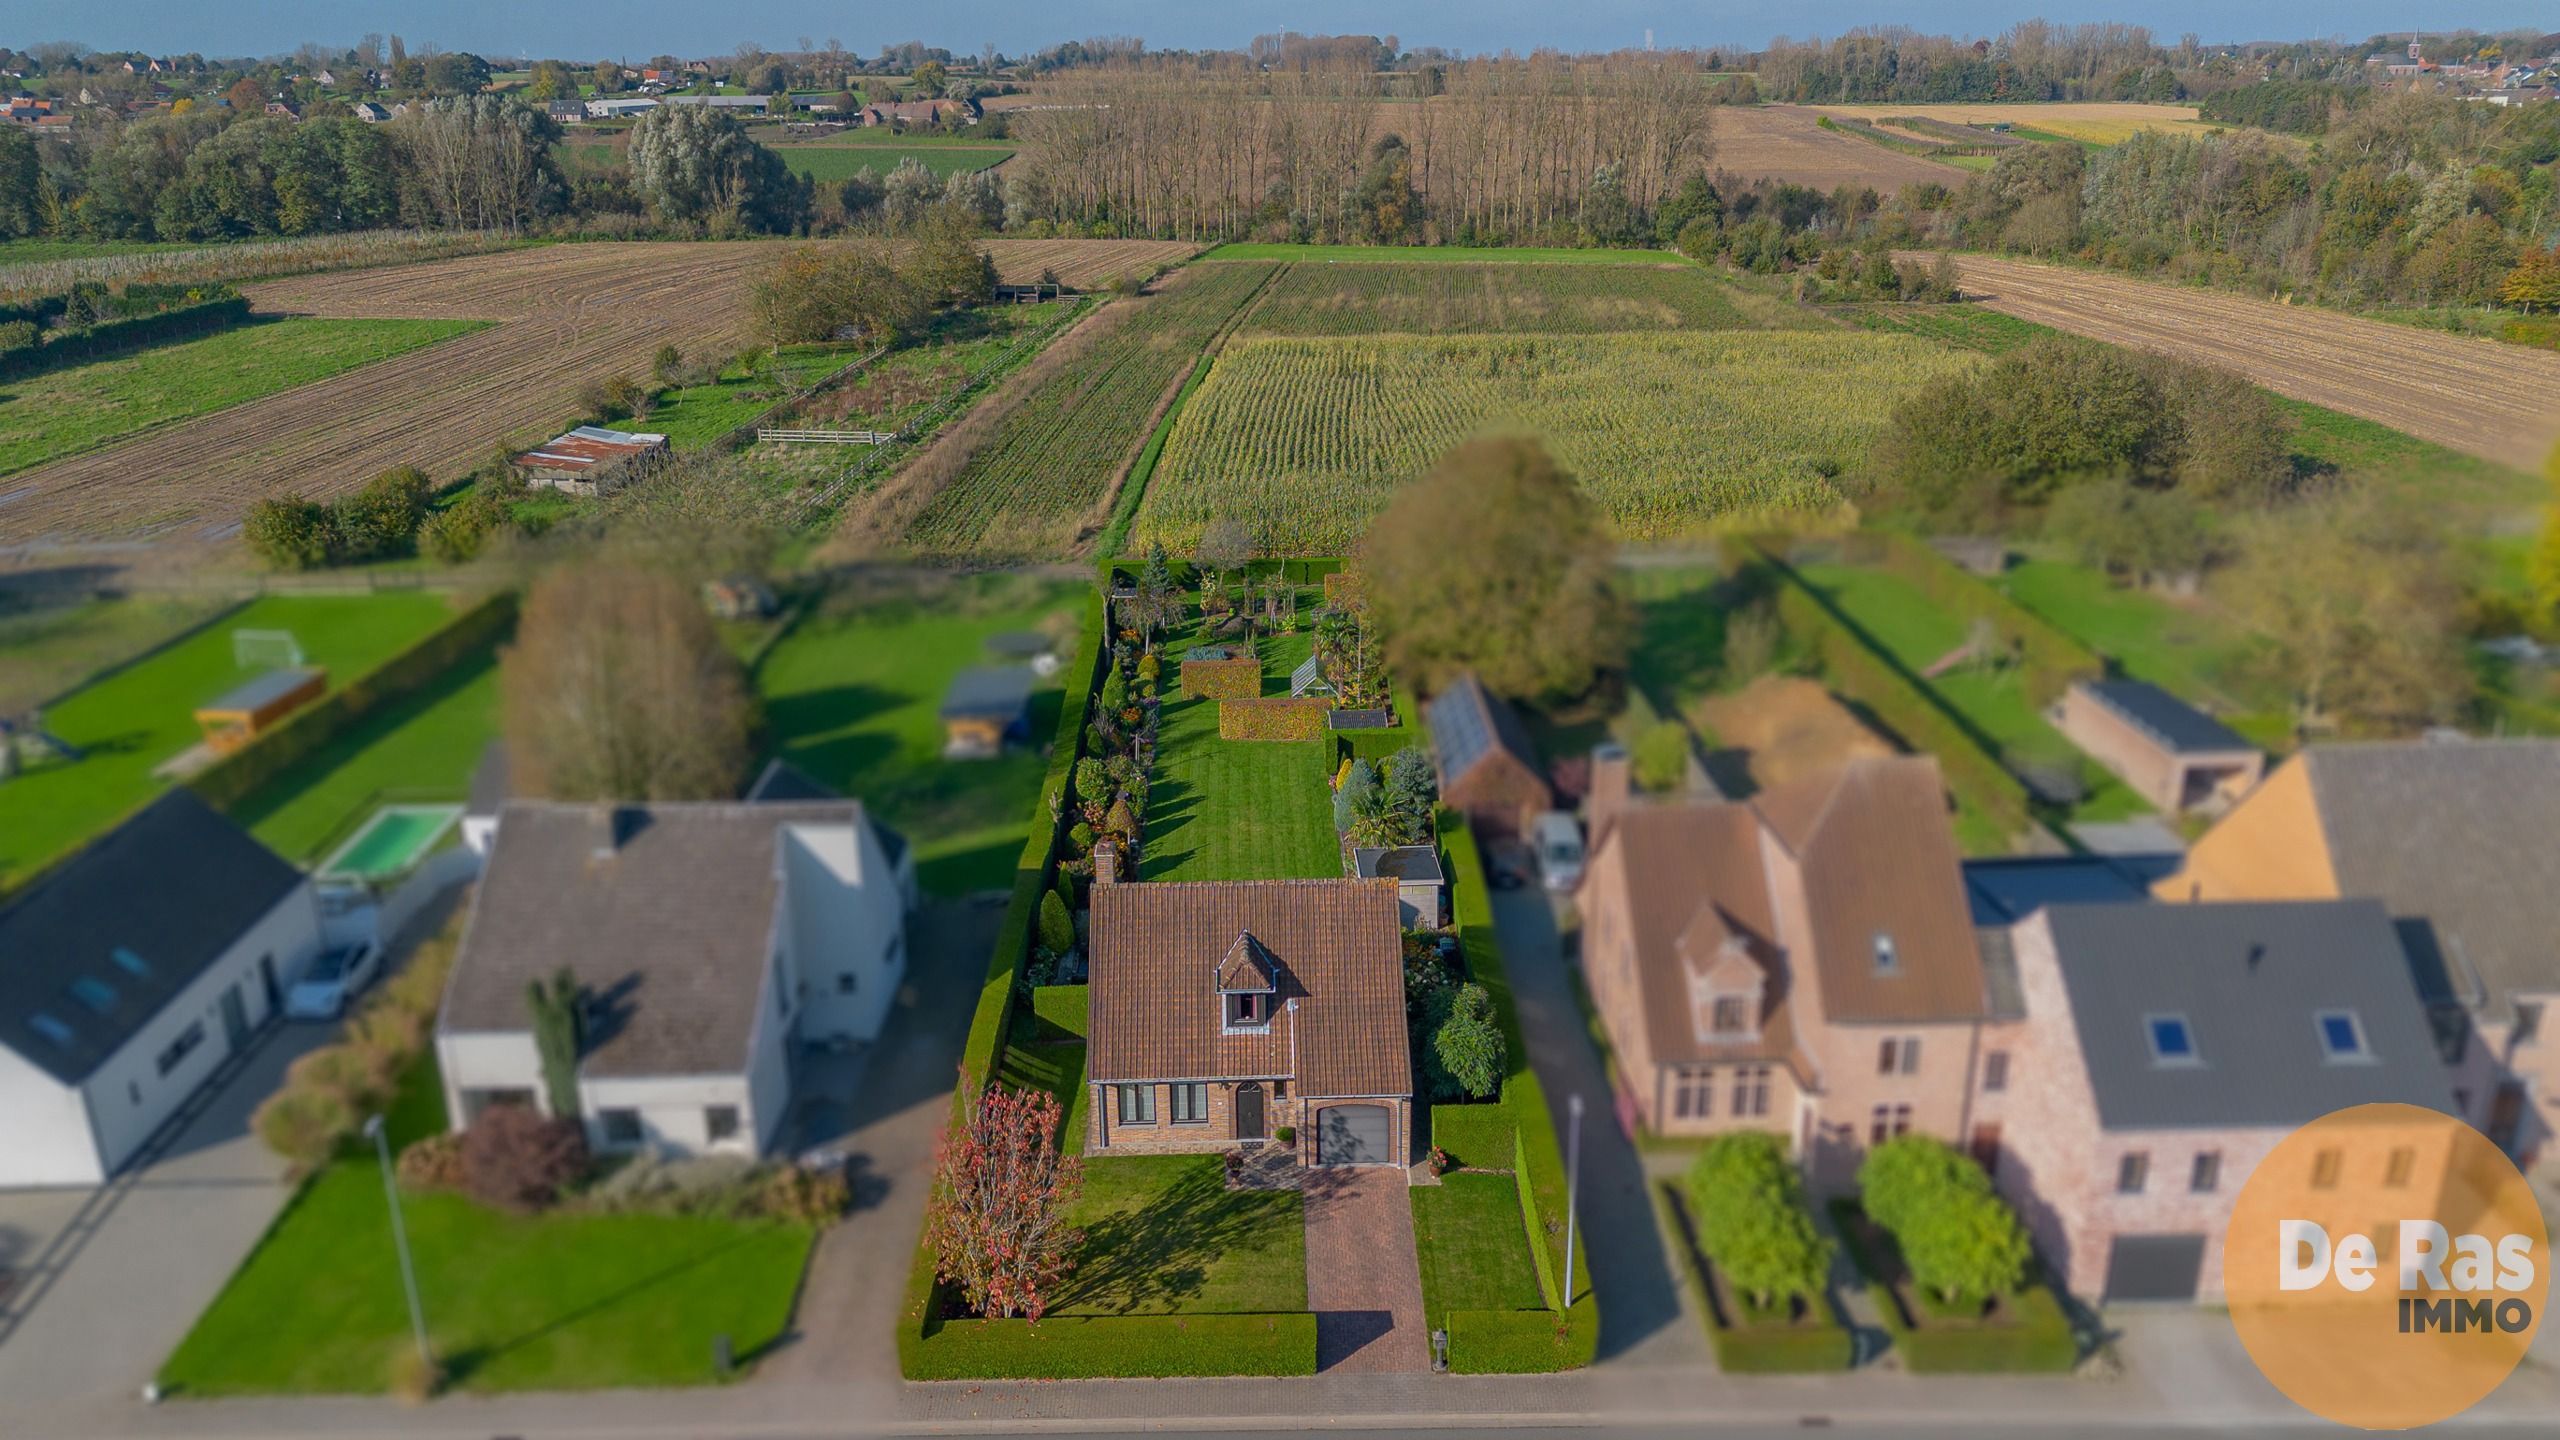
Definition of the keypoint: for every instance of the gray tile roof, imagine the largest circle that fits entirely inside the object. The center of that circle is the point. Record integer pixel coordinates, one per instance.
(1002, 691)
(2249, 979)
(130, 922)
(2172, 723)
(670, 930)
(2458, 835)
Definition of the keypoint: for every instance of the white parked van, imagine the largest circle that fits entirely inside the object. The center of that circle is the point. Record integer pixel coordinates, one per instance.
(1556, 839)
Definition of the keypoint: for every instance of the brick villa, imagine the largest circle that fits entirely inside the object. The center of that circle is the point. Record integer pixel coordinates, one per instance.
(1223, 1011)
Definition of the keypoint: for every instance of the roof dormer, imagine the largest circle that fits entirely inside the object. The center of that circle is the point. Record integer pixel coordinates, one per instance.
(1727, 986)
(1247, 983)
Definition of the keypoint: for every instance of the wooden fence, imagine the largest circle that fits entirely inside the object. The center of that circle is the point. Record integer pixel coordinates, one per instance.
(827, 437)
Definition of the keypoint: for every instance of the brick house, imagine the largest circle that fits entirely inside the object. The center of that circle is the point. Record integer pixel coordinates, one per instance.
(1222, 1011)
(1488, 769)
(2164, 1050)
(2454, 838)
(2173, 755)
(1803, 962)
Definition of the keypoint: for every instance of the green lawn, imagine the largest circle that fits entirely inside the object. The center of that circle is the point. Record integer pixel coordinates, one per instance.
(835, 163)
(139, 717)
(1238, 809)
(421, 747)
(44, 652)
(1164, 1235)
(2186, 647)
(696, 415)
(562, 1301)
(853, 696)
(1423, 254)
(81, 407)
(1474, 1246)
(37, 252)
(1678, 655)
(1994, 701)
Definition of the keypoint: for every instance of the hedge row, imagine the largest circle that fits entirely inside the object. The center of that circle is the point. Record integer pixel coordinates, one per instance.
(2052, 658)
(1856, 670)
(112, 336)
(1061, 1012)
(234, 777)
(1743, 1348)
(1238, 677)
(1274, 717)
(1103, 1347)
(2040, 1339)
(1524, 1341)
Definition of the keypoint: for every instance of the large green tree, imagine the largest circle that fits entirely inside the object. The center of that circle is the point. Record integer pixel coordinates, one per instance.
(1748, 1207)
(696, 165)
(1496, 563)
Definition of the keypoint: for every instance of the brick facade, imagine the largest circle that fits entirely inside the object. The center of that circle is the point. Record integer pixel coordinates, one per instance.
(2156, 773)
(1282, 1106)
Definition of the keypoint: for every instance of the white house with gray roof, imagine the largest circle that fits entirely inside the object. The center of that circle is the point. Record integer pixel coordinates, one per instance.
(127, 977)
(712, 942)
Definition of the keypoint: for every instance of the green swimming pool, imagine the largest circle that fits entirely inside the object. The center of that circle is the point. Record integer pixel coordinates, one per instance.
(392, 842)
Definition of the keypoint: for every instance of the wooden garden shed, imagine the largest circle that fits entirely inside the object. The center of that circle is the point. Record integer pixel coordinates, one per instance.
(254, 707)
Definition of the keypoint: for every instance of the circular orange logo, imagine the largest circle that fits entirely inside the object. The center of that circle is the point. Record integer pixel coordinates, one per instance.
(2386, 1266)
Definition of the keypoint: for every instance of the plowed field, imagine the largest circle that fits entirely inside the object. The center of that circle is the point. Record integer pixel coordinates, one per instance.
(2499, 402)
(567, 315)
(1784, 142)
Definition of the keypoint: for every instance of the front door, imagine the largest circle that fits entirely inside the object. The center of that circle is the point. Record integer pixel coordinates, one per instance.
(1986, 1148)
(1249, 1111)
(2506, 1114)
(267, 982)
(235, 1018)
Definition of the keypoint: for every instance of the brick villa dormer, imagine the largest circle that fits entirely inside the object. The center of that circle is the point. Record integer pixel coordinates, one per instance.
(1248, 987)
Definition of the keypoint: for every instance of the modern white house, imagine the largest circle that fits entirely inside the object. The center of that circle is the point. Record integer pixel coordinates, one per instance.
(712, 942)
(129, 975)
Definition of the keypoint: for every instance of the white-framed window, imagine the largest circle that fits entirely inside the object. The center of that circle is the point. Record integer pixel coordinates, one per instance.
(1751, 1090)
(1730, 1015)
(1190, 1104)
(1137, 1104)
(1248, 1009)
(1693, 1094)
(1898, 1055)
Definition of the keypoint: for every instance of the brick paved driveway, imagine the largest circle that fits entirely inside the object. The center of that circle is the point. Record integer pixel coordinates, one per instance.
(1363, 1280)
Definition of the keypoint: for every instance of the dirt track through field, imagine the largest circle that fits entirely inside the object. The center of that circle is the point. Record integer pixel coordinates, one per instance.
(2499, 402)
(567, 315)
(1786, 142)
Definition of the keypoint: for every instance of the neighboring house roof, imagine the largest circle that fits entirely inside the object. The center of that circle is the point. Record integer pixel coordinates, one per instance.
(1398, 862)
(2249, 980)
(2009, 889)
(2169, 722)
(665, 913)
(99, 946)
(1336, 950)
(2457, 834)
(781, 782)
(988, 691)
(1470, 727)
(1881, 873)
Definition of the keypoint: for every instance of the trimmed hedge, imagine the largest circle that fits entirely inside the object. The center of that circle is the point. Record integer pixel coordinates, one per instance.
(2040, 1340)
(1814, 1347)
(1275, 717)
(1235, 678)
(1102, 1347)
(109, 337)
(1060, 1011)
(234, 777)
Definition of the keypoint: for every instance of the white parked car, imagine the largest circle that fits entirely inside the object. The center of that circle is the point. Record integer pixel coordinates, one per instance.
(338, 976)
(1556, 839)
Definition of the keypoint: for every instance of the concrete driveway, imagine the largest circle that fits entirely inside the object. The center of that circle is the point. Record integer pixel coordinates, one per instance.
(1364, 1279)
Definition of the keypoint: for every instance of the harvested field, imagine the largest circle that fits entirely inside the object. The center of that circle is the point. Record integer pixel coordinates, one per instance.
(2499, 402)
(567, 315)
(1442, 299)
(1787, 142)
(2093, 122)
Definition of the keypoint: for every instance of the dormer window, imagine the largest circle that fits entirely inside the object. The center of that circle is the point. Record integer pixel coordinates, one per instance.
(1248, 982)
(1731, 1015)
(1248, 1009)
(1888, 959)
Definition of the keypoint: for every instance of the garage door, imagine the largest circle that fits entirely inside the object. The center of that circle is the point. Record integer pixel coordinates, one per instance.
(1355, 1135)
(2154, 1267)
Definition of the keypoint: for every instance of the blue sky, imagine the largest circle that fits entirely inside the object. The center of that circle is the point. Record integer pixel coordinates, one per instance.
(583, 29)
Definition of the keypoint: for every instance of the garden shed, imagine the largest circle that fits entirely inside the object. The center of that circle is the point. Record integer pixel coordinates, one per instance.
(253, 708)
(1487, 766)
(986, 707)
(2173, 755)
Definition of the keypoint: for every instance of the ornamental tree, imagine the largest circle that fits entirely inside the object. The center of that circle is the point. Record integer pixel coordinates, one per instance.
(1467, 1054)
(1748, 1206)
(1960, 1239)
(1001, 1192)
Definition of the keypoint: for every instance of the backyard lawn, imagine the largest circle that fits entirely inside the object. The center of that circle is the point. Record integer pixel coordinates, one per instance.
(133, 720)
(81, 407)
(1993, 700)
(853, 696)
(48, 650)
(1474, 1246)
(1164, 1235)
(2187, 648)
(560, 1301)
(1237, 809)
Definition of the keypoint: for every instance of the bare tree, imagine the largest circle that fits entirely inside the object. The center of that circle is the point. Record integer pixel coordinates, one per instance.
(618, 688)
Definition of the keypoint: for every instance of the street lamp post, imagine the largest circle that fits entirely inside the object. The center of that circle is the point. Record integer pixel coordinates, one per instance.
(1572, 1185)
(400, 1240)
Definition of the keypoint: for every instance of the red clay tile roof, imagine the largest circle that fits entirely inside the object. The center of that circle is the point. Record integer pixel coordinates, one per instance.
(1338, 951)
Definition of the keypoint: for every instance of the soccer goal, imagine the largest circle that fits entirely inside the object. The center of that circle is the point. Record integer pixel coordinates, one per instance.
(265, 649)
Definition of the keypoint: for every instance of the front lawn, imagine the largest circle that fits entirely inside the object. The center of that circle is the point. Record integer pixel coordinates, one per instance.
(1237, 809)
(853, 696)
(561, 1301)
(131, 721)
(1474, 1246)
(1164, 1235)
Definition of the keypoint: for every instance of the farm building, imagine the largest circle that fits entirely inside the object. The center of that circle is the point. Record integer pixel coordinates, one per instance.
(986, 707)
(615, 109)
(1488, 768)
(1421, 885)
(756, 103)
(591, 459)
(113, 1014)
(2172, 754)
(254, 707)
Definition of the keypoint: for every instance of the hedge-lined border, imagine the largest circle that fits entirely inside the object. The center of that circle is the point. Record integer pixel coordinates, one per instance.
(114, 337)
(1819, 1347)
(1514, 1342)
(2053, 658)
(1238, 677)
(1274, 717)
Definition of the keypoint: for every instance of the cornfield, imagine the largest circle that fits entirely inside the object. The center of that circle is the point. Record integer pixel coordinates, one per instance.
(1445, 299)
(1305, 440)
(1050, 465)
(255, 260)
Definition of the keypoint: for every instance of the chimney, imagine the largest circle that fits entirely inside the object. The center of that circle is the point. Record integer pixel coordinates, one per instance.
(1612, 789)
(1106, 862)
(604, 828)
